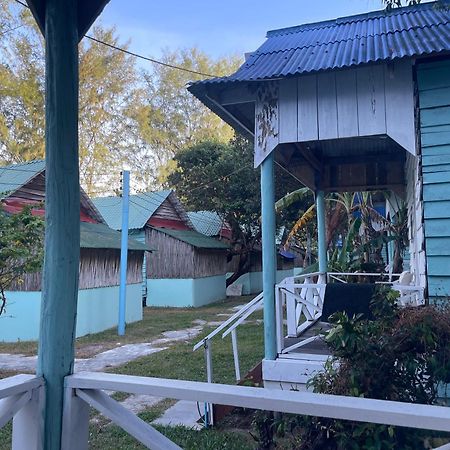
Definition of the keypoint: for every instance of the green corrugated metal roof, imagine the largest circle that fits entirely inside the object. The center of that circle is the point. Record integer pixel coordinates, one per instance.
(142, 207)
(98, 235)
(208, 223)
(14, 176)
(194, 238)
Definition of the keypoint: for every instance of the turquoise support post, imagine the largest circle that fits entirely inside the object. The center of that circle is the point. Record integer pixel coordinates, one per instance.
(321, 235)
(62, 212)
(124, 251)
(269, 256)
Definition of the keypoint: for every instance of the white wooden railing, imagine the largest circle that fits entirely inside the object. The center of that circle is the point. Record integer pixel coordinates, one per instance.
(21, 399)
(86, 389)
(299, 301)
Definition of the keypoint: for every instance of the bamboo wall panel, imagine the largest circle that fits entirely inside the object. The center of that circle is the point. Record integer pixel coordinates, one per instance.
(176, 259)
(166, 211)
(98, 268)
(172, 258)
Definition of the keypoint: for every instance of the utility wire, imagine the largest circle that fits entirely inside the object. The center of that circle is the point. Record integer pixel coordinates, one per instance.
(136, 55)
(152, 60)
(11, 29)
(289, 172)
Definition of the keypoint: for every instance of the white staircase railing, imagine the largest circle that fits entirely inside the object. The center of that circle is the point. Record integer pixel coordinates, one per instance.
(229, 326)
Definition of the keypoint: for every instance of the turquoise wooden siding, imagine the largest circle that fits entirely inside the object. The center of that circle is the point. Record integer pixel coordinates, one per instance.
(434, 98)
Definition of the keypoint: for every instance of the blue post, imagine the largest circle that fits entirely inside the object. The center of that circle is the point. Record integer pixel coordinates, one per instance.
(62, 212)
(321, 237)
(124, 251)
(269, 255)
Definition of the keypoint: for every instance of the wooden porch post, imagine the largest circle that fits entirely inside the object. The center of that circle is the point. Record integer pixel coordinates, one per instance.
(269, 255)
(62, 212)
(321, 235)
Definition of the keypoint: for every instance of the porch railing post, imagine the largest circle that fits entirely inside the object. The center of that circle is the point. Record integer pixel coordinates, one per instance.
(75, 427)
(269, 256)
(28, 424)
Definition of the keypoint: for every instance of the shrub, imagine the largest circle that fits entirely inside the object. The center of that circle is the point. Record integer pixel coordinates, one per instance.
(401, 355)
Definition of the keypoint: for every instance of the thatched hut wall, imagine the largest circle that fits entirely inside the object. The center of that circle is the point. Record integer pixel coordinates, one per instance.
(177, 259)
(98, 268)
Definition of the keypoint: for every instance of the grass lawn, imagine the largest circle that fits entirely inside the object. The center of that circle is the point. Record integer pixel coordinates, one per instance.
(177, 362)
(155, 321)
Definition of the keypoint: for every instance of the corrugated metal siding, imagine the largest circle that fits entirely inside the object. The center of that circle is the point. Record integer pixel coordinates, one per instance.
(434, 97)
(349, 41)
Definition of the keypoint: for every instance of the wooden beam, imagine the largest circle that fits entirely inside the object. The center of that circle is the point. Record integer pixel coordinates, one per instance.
(87, 12)
(310, 158)
(235, 95)
(62, 212)
(130, 422)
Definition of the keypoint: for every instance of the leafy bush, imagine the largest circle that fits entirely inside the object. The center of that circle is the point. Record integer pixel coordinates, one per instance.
(402, 355)
(21, 248)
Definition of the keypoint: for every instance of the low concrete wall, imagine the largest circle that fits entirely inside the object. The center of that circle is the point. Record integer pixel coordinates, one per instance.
(185, 292)
(98, 310)
(252, 281)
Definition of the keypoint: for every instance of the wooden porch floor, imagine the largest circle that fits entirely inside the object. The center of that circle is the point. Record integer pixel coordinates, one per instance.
(317, 347)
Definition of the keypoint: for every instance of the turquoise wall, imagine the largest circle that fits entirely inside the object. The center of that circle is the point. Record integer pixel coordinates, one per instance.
(98, 310)
(186, 292)
(252, 281)
(434, 98)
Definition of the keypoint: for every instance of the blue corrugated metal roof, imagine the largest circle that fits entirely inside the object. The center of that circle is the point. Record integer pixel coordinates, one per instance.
(15, 176)
(366, 38)
(208, 223)
(142, 207)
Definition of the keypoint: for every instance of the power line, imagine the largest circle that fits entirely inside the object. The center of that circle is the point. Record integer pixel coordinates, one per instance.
(152, 60)
(10, 30)
(137, 55)
(290, 173)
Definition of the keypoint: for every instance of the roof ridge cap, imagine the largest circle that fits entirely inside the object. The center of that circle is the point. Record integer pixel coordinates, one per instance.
(346, 19)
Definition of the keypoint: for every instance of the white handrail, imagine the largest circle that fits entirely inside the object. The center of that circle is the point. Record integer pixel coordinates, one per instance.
(244, 316)
(227, 322)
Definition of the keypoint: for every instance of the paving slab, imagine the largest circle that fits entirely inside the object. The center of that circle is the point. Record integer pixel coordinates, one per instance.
(184, 413)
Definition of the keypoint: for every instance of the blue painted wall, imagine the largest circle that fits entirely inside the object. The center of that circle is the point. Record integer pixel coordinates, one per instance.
(252, 281)
(185, 292)
(98, 310)
(434, 99)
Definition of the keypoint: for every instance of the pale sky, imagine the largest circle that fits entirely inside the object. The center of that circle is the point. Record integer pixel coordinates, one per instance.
(218, 28)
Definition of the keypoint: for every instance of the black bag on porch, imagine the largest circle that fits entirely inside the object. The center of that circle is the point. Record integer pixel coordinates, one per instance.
(351, 298)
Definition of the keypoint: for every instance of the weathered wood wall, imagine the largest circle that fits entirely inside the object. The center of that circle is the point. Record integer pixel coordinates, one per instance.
(177, 259)
(417, 258)
(434, 96)
(98, 268)
(364, 101)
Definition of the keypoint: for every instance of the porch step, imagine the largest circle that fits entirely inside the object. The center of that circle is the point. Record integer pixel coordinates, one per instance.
(292, 371)
(252, 378)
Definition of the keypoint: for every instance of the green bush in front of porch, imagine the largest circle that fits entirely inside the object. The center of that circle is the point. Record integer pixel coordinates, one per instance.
(401, 355)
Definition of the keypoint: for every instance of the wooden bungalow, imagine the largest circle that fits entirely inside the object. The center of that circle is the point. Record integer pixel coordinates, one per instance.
(358, 103)
(188, 268)
(24, 184)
